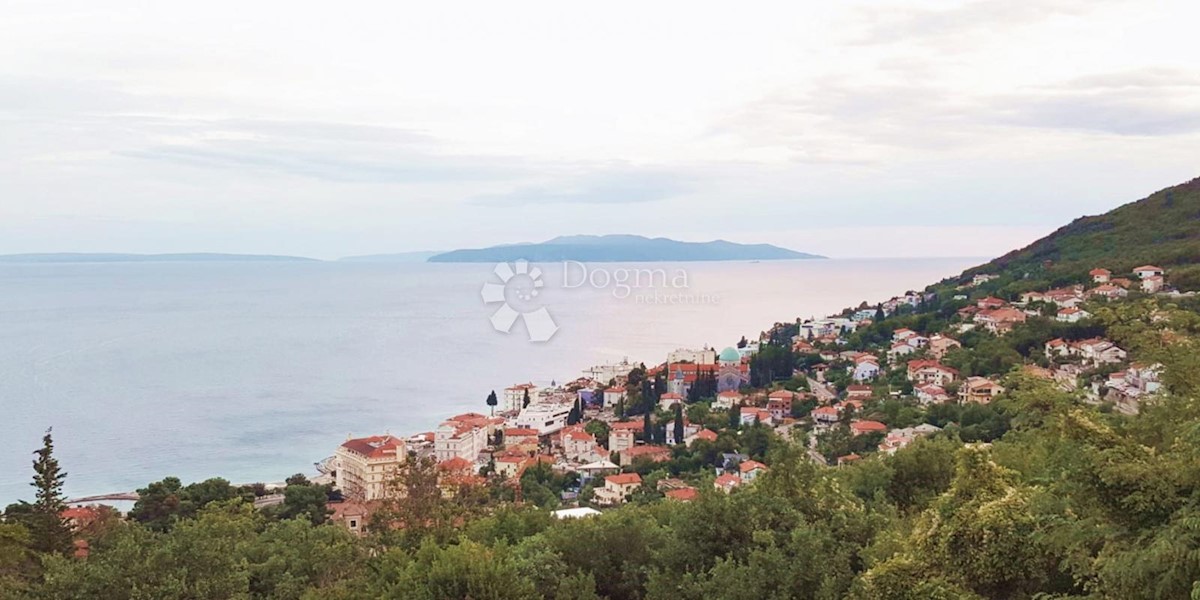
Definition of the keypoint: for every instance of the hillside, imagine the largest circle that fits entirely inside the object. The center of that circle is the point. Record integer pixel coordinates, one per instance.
(1162, 229)
(621, 248)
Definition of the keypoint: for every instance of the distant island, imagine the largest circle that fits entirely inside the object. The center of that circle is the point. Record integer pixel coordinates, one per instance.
(398, 257)
(621, 248)
(108, 257)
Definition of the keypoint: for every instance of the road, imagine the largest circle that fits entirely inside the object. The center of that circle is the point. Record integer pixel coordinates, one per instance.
(824, 395)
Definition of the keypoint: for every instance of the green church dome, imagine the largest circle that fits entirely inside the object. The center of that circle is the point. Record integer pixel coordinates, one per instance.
(730, 354)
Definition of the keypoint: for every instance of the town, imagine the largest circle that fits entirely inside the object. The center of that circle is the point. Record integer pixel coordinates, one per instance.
(865, 382)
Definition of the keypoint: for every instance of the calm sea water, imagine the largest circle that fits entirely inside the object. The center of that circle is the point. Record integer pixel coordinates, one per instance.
(253, 371)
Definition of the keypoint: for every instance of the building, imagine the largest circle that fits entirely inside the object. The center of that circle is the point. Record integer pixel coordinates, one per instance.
(463, 436)
(1109, 291)
(1153, 284)
(999, 320)
(931, 394)
(706, 356)
(613, 395)
(351, 515)
(622, 435)
(727, 482)
(689, 430)
(980, 390)
(706, 435)
(365, 465)
(1100, 275)
(518, 437)
(1147, 271)
(732, 374)
(939, 345)
(899, 438)
(750, 414)
(930, 371)
(779, 404)
(750, 470)
(580, 446)
(727, 399)
(617, 488)
(683, 494)
(866, 370)
(825, 415)
(545, 415)
(514, 396)
(668, 400)
(1072, 314)
(860, 427)
(859, 391)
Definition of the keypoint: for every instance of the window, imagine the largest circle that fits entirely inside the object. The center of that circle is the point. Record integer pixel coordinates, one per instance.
(353, 524)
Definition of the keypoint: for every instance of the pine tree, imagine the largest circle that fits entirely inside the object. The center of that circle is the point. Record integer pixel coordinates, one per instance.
(50, 533)
(492, 401)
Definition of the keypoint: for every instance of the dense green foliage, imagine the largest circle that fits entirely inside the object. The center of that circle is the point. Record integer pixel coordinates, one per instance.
(1068, 502)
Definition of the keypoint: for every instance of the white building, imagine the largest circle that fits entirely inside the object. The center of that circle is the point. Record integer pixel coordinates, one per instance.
(463, 436)
(546, 416)
(514, 397)
(613, 395)
(706, 356)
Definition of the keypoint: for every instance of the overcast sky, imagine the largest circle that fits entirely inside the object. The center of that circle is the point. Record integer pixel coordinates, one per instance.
(329, 129)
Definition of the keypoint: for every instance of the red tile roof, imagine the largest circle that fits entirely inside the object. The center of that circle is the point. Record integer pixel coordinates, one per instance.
(377, 446)
(623, 479)
(686, 494)
(867, 426)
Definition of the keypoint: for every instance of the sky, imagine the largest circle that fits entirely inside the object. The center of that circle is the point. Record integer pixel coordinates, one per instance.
(850, 129)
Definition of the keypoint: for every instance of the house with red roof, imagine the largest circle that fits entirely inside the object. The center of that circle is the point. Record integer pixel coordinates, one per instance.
(860, 427)
(990, 303)
(364, 465)
(706, 435)
(979, 390)
(617, 488)
(622, 435)
(1146, 271)
(684, 494)
(668, 400)
(999, 320)
(1100, 275)
(750, 469)
(727, 482)
(826, 415)
(931, 371)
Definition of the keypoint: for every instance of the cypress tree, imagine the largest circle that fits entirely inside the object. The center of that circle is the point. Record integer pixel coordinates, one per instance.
(492, 401)
(678, 424)
(50, 533)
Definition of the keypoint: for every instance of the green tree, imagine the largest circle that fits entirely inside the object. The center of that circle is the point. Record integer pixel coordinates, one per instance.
(492, 401)
(678, 432)
(49, 532)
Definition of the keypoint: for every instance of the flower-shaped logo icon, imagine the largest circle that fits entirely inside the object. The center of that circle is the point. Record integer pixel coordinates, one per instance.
(519, 286)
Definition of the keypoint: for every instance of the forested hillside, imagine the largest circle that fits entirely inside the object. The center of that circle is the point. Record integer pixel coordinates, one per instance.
(1162, 229)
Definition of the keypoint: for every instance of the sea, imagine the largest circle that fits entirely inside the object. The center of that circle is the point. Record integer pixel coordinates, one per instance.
(253, 371)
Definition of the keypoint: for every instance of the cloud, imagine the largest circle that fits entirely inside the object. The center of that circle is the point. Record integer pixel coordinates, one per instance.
(837, 119)
(613, 186)
(891, 25)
